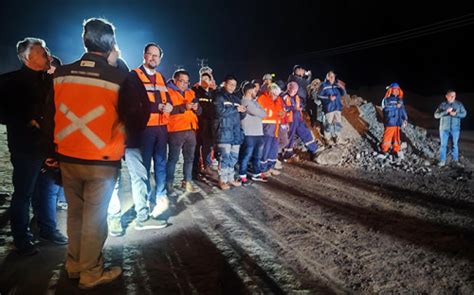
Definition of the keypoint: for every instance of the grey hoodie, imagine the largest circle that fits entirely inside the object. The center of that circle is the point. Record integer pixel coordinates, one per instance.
(252, 123)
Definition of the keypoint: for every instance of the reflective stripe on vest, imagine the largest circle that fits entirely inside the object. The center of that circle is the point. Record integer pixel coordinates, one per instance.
(182, 121)
(87, 126)
(156, 119)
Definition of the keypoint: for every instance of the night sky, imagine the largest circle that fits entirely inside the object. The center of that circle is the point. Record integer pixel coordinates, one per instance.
(249, 39)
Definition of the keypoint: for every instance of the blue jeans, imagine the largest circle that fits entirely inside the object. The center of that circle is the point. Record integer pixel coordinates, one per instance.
(184, 141)
(154, 142)
(47, 193)
(26, 168)
(444, 136)
(252, 149)
(138, 178)
(228, 156)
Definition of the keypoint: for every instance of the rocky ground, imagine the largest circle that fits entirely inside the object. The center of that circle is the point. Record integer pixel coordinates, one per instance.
(360, 225)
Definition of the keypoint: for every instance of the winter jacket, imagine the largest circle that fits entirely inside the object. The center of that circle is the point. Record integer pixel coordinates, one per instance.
(303, 83)
(448, 122)
(325, 91)
(24, 93)
(392, 115)
(273, 108)
(226, 123)
(205, 101)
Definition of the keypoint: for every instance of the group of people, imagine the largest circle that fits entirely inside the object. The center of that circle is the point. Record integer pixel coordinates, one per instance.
(87, 116)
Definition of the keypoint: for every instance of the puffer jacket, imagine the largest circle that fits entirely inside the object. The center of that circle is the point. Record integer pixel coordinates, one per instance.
(226, 123)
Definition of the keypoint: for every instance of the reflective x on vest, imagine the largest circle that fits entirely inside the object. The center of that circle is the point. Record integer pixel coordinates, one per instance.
(80, 123)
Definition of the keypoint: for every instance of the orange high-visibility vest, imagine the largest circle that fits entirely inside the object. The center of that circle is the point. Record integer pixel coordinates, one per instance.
(287, 102)
(182, 121)
(272, 108)
(156, 118)
(87, 125)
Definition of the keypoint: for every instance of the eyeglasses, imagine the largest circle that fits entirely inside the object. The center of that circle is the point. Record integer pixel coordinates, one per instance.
(183, 81)
(153, 55)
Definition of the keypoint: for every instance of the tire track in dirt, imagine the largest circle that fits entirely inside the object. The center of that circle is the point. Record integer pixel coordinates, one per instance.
(261, 258)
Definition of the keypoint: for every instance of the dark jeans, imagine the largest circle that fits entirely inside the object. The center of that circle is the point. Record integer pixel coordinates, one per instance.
(252, 149)
(47, 194)
(181, 141)
(26, 168)
(154, 141)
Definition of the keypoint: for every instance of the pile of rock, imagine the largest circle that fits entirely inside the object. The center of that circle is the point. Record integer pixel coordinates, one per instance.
(418, 150)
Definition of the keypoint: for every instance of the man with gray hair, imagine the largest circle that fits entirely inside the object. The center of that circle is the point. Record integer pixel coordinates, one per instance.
(94, 102)
(25, 92)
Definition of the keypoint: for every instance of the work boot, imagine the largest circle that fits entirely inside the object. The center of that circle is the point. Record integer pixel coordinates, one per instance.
(115, 226)
(190, 187)
(107, 276)
(208, 171)
(274, 172)
(278, 165)
(235, 183)
(162, 204)
(223, 185)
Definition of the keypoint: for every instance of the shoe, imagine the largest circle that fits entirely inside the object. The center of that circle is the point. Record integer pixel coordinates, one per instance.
(61, 205)
(382, 156)
(162, 204)
(278, 165)
(223, 185)
(107, 276)
(274, 172)
(235, 183)
(400, 155)
(190, 187)
(27, 249)
(115, 226)
(55, 237)
(293, 159)
(260, 178)
(150, 223)
(170, 190)
(267, 174)
(244, 181)
(441, 163)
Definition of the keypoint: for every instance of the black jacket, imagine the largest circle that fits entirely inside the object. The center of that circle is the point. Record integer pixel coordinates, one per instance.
(24, 94)
(226, 124)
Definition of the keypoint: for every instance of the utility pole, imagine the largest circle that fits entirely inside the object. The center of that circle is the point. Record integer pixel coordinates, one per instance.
(202, 62)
